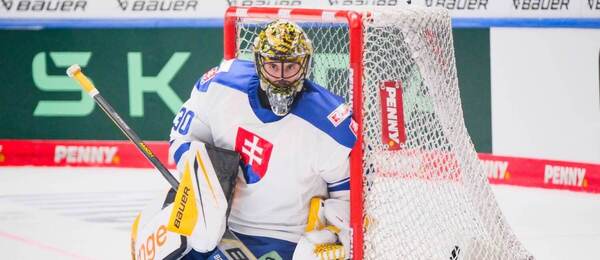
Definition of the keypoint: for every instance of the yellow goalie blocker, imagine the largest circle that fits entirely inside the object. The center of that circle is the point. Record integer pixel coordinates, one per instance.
(194, 216)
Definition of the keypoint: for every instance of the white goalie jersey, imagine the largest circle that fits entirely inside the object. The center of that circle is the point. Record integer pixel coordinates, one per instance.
(285, 160)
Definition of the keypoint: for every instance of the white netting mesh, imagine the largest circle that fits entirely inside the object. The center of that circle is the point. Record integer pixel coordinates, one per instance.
(430, 199)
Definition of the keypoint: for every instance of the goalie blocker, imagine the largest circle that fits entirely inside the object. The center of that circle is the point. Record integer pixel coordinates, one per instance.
(194, 217)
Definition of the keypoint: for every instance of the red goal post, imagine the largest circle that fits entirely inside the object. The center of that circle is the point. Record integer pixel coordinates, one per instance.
(417, 188)
(354, 20)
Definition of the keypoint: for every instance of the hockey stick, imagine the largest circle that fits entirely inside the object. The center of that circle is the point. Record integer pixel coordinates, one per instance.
(230, 247)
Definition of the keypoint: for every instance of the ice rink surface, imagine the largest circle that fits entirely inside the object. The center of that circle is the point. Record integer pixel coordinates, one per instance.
(85, 213)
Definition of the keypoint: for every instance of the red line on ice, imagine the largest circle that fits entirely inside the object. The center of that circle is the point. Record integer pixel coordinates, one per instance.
(42, 246)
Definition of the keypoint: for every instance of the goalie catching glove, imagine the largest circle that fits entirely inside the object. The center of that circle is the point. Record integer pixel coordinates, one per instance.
(327, 234)
(195, 215)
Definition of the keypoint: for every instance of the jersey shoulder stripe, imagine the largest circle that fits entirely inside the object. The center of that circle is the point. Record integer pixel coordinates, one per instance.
(236, 74)
(340, 187)
(316, 104)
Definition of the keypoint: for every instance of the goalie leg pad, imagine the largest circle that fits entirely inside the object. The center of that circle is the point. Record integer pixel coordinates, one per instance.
(226, 164)
(202, 200)
(149, 236)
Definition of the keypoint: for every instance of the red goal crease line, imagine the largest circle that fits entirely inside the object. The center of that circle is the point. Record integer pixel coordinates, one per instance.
(528, 172)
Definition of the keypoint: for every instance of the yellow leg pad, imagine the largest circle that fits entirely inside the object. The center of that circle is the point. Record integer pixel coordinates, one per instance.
(185, 213)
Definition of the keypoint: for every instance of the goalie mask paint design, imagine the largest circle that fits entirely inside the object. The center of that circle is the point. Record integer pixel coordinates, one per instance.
(282, 54)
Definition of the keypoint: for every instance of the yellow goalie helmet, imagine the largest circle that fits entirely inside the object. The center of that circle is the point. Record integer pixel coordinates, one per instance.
(282, 53)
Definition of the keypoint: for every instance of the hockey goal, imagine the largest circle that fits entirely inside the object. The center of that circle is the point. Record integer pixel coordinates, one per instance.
(418, 190)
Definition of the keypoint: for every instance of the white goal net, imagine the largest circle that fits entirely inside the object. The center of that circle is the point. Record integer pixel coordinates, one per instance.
(425, 194)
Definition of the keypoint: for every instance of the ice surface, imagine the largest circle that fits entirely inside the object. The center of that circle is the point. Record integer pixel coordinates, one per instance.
(85, 213)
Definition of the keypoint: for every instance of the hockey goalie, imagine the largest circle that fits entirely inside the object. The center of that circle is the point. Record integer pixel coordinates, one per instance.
(291, 194)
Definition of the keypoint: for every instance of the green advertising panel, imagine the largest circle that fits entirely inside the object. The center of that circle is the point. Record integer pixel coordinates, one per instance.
(472, 51)
(145, 73)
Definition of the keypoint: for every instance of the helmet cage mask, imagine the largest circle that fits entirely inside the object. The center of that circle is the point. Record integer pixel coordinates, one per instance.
(282, 64)
(284, 74)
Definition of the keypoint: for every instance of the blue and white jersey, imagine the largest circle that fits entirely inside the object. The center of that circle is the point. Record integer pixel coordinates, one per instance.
(285, 160)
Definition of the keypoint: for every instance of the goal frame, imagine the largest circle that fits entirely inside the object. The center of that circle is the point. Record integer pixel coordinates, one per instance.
(354, 21)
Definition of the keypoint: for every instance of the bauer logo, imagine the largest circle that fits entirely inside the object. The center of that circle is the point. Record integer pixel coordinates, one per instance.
(541, 4)
(458, 4)
(367, 2)
(339, 114)
(158, 5)
(562, 175)
(594, 4)
(496, 169)
(392, 114)
(7, 4)
(265, 2)
(72, 154)
(50, 6)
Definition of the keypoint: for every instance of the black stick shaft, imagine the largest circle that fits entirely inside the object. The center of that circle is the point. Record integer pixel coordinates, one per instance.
(230, 242)
(133, 137)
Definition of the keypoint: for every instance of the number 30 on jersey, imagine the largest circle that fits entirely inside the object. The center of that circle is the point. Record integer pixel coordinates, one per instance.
(183, 120)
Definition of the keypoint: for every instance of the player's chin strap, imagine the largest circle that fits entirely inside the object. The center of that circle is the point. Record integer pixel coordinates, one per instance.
(327, 235)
